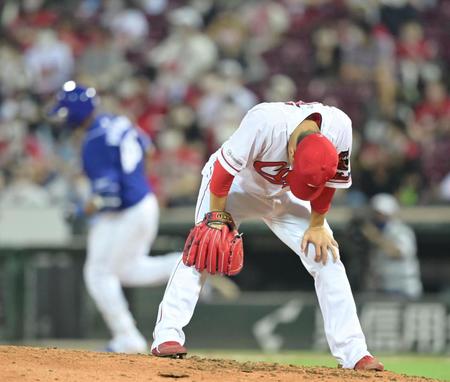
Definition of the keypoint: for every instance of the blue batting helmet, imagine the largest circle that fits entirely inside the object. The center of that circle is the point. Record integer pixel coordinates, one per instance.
(74, 103)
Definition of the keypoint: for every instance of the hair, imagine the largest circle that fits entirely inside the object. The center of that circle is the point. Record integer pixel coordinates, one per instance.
(304, 134)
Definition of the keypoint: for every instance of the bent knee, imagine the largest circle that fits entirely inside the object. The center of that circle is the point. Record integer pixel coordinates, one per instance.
(314, 267)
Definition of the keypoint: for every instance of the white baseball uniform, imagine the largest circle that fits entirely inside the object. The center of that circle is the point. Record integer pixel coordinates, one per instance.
(256, 154)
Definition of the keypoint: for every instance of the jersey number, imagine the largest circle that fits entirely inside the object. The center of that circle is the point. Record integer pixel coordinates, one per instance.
(130, 152)
(343, 168)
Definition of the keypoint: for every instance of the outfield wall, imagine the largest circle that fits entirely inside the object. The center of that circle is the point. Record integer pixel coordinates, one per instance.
(42, 296)
(55, 305)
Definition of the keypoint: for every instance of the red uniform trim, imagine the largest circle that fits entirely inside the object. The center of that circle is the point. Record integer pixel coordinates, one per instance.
(317, 118)
(323, 202)
(220, 181)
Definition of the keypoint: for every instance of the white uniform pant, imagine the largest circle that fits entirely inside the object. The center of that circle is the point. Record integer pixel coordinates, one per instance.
(117, 254)
(288, 218)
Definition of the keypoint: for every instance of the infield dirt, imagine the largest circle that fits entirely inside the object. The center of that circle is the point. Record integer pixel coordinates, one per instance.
(24, 364)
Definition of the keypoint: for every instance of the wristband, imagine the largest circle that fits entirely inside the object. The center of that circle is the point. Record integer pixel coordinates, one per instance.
(219, 217)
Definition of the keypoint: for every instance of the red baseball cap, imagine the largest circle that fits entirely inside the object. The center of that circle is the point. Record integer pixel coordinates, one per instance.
(315, 163)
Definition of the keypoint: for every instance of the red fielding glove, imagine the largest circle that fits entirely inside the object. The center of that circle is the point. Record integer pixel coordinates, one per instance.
(215, 245)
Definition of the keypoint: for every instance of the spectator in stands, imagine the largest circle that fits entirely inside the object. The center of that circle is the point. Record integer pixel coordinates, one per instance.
(326, 51)
(359, 53)
(129, 27)
(24, 191)
(279, 89)
(230, 35)
(187, 52)
(48, 62)
(432, 130)
(102, 63)
(177, 165)
(394, 266)
(435, 109)
(12, 75)
(267, 21)
(395, 13)
(224, 102)
(415, 55)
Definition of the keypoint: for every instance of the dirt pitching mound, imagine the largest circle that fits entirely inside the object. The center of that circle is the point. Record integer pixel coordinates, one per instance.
(25, 364)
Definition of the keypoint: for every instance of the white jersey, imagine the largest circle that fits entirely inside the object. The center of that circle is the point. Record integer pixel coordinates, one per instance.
(256, 154)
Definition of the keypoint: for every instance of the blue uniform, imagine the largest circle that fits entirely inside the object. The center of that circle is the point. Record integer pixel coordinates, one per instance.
(118, 243)
(113, 156)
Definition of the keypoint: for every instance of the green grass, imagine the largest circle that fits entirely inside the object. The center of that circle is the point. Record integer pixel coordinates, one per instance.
(418, 365)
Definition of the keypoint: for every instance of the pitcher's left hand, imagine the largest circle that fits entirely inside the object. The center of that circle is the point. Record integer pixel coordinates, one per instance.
(322, 240)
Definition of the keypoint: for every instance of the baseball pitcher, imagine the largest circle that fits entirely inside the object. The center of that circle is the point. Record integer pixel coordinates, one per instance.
(124, 209)
(282, 165)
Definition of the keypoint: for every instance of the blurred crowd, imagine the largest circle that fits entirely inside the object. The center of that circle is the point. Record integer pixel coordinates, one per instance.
(187, 71)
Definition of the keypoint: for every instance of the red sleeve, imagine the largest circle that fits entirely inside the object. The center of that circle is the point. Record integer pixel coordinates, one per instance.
(323, 202)
(220, 181)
